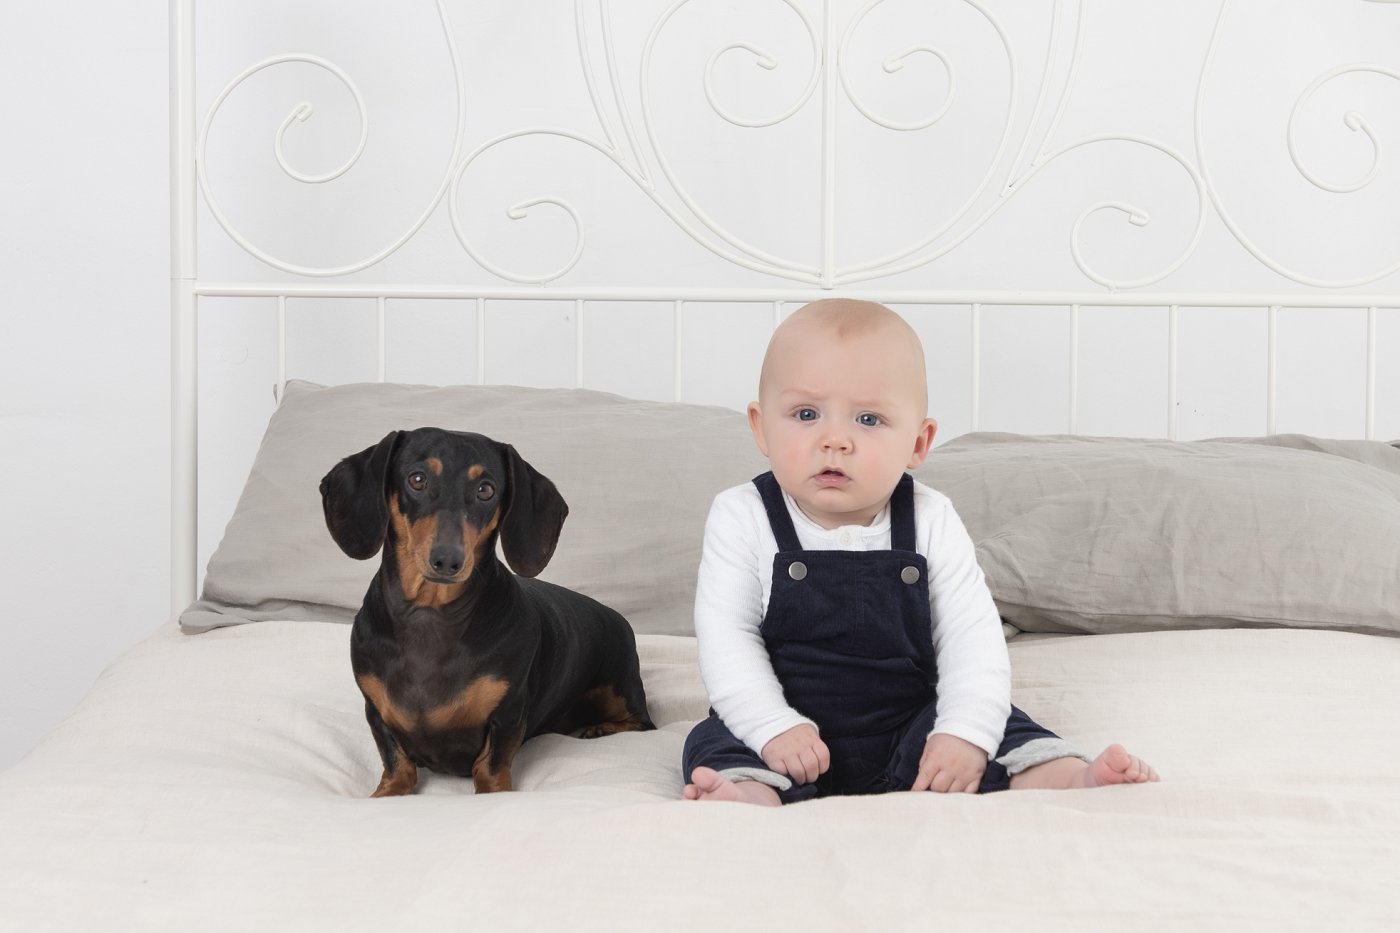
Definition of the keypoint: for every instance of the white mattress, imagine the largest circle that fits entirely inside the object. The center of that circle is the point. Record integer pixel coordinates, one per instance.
(219, 782)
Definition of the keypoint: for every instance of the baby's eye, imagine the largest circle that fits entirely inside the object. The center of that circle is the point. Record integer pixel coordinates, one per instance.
(868, 420)
(806, 414)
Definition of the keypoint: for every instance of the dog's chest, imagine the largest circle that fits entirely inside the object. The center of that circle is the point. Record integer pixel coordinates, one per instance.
(410, 708)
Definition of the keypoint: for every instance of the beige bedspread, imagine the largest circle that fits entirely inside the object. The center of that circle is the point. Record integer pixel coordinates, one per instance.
(219, 782)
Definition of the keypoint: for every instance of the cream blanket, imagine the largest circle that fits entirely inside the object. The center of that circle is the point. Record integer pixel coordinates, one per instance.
(219, 782)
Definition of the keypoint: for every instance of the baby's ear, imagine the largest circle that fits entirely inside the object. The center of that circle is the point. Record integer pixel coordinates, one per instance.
(923, 443)
(756, 426)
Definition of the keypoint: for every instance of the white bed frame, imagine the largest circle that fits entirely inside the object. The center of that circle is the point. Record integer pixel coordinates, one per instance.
(830, 28)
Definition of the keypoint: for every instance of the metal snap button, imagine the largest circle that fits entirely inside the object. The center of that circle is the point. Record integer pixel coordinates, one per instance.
(909, 575)
(797, 570)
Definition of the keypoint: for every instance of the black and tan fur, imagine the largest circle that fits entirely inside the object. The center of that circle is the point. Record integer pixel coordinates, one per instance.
(460, 660)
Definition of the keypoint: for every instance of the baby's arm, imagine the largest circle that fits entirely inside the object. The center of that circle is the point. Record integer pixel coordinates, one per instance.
(734, 662)
(974, 669)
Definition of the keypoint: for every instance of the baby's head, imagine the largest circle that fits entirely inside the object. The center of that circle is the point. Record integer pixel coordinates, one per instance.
(842, 408)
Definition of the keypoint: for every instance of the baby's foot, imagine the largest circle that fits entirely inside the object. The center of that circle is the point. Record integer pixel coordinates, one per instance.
(1116, 766)
(709, 784)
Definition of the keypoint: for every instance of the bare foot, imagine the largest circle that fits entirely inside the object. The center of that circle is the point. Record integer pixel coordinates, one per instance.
(1116, 766)
(1113, 766)
(709, 784)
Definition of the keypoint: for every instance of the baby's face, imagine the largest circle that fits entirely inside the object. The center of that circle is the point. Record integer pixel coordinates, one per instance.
(841, 419)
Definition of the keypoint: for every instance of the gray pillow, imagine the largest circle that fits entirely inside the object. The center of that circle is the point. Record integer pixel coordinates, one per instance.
(638, 477)
(1108, 535)
(1074, 534)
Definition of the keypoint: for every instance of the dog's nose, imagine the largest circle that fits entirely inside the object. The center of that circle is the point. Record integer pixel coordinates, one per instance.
(446, 561)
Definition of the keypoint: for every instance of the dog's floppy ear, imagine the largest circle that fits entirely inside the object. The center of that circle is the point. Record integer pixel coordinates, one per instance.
(354, 496)
(534, 516)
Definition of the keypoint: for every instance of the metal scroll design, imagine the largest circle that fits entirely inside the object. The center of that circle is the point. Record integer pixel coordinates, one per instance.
(633, 146)
(1352, 120)
(301, 113)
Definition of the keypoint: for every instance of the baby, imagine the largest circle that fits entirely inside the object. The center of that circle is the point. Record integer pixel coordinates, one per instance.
(847, 638)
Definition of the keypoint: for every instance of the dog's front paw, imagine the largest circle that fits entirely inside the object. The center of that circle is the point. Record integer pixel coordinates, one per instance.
(491, 782)
(399, 782)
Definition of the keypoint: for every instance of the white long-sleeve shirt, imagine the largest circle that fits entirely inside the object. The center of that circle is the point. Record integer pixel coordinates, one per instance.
(736, 576)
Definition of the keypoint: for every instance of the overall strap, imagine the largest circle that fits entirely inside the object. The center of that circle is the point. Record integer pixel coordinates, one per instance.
(902, 536)
(778, 516)
(902, 515)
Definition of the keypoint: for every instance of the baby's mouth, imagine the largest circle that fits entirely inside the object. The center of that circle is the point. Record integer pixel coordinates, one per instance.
(831, 476)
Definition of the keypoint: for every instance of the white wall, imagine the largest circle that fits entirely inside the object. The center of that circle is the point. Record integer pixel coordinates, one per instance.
(85, 248)
(83, 357)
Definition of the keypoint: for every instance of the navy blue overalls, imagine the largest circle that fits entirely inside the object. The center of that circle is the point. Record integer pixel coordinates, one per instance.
(849, 634)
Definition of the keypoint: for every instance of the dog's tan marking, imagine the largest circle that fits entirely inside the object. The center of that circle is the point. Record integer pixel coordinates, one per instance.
(612, 711)
(374, 690)
(487, 781)
(401, 781)
(404, 777)
(476, 542)
(471, 707)
(476, 471)
(435, 465)
(609, 705)
(484, 778)
(413, 541)
(469, 710)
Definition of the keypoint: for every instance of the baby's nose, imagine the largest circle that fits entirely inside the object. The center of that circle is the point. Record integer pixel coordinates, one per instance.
(837, 440)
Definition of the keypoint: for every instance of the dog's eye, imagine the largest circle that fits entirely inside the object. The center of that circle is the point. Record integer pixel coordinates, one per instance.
(417, 480)
(486, 491)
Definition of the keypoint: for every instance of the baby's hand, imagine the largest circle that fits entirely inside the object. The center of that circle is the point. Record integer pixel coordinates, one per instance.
(950, 765)
(799, 753)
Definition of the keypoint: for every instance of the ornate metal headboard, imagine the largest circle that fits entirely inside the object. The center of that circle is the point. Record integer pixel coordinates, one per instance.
(963, 157)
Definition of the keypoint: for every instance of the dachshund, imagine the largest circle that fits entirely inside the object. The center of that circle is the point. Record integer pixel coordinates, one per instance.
(460, 660)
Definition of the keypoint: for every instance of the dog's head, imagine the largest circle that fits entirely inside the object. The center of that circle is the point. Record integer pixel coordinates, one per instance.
(441, 499)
